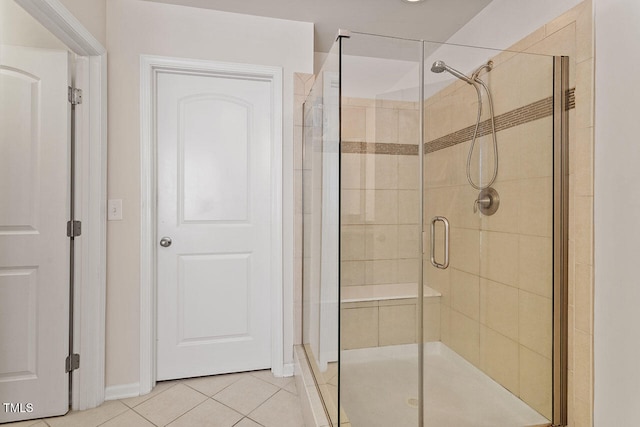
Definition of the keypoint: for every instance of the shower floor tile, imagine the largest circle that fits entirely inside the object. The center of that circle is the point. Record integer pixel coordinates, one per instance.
(380, 388)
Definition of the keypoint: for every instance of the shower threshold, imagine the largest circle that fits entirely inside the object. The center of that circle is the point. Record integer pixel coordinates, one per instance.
(379, 387)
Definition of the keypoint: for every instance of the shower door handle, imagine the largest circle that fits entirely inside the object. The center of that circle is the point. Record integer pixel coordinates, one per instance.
(444, 221)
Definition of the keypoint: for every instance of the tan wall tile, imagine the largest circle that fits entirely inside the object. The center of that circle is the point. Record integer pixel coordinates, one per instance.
(584, 94)
(561, 42)
(359, 328)
(440, 280)
(536, 202)
(381, 171)
(352, 242)
(536, 265)
(386, 125)
(381, 241)
(509, 146)
(465, 337)
(409, 241)
(441, 167)
(445, 325)
(499, 308)
(584, 298)
(536, 149)
(352, 205)
(353, 123)
(408, 207)
(408, 172)
(397, 325)
(381, 271)
(431, 318)
(352, 273)
(351, 172)
(584, 33)
(383, 204)
(536, 323)
(584, 229)
(583, 366)
(499, 257)
(583, 162)
(536, 381)
(499, 359)
(465, 293)
(408, 270)
(465, 254)
(409, 126)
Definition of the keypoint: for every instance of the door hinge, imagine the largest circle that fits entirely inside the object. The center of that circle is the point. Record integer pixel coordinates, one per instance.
(74, 228)
(73, 362)
(75, 96)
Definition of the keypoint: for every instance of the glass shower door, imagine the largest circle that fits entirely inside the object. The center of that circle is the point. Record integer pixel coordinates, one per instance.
(488, 209)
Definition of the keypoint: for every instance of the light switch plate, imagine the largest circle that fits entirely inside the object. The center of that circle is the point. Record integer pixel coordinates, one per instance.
(114, 210)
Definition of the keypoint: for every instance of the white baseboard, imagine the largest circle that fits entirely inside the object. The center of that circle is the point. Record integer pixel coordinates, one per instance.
(288, 369)
(122, 391)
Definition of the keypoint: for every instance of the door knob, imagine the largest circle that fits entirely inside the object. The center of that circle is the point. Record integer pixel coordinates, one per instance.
(165, 242)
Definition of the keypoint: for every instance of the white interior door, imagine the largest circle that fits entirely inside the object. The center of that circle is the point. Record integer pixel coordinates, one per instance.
(214, 136)
(34, 247)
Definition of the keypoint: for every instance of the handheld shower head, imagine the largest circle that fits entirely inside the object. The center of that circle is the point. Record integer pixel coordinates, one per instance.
(440, 66)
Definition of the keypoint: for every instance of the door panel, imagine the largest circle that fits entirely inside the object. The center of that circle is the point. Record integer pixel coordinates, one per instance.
(198, 323)
(34, 247)
(214, 196)
(206, 169)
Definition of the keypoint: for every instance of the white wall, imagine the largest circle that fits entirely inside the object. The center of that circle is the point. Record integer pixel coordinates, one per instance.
(18, 28)
(139, 27)
(617, 214)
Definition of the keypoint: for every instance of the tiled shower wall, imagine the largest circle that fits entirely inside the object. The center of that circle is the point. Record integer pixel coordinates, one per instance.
(380, 199)
(571, 34)
(380, 217)
(496, 305)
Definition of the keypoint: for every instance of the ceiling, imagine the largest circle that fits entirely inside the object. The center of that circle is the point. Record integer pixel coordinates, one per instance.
(434, 20)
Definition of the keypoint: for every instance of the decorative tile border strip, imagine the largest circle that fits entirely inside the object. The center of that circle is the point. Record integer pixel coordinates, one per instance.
(518, 116)
(379, 148)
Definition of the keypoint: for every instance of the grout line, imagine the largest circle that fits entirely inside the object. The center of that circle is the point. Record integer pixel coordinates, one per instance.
(219, 391)
(148, 394)
(144, 418)
(172, 420)
(224, 404)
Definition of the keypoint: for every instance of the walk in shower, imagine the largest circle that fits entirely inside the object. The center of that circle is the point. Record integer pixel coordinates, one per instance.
(434, 242)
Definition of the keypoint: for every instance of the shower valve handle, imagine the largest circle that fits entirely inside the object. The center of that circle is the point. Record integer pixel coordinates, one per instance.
(487, 201)
(484, 202)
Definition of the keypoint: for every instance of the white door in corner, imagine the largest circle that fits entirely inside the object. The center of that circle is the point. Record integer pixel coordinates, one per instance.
(214, 136)
(34, 247)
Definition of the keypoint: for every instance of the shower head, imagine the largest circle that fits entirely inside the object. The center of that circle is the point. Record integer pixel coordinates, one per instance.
(440, 66)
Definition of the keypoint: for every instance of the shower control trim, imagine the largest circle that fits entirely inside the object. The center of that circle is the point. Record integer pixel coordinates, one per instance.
(487, 202)
(444, 221)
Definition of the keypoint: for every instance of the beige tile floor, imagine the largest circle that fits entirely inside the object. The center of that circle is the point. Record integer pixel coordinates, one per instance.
(249, 399)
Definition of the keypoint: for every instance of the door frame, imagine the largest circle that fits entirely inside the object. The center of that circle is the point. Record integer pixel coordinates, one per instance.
(150, 65)
(90, 198)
